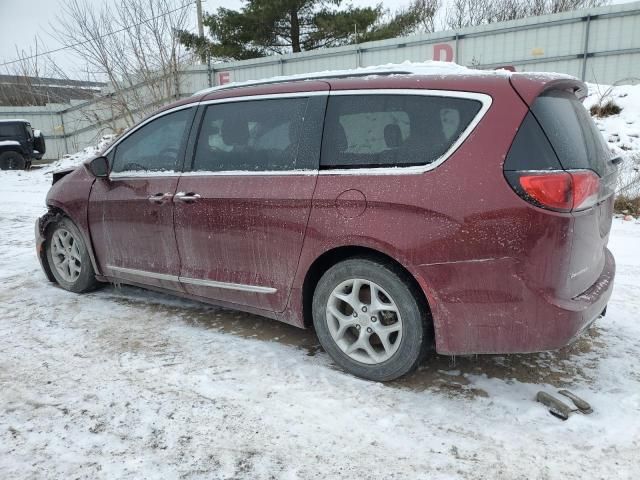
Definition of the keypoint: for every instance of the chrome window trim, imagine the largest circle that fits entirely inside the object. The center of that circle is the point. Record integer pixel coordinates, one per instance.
(266, 96)
(142, 176)
(193, 281)
(483, 98)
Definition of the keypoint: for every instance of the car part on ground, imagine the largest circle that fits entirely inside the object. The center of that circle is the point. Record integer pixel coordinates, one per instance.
(559, 409)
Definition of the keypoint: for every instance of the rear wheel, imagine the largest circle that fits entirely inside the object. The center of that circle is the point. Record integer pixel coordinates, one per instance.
(68, 257)
(12, 161)
(369, 318)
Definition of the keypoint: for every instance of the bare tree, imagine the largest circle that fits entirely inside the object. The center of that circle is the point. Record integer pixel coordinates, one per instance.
(427, 11)
(133, 43)
(469, 13)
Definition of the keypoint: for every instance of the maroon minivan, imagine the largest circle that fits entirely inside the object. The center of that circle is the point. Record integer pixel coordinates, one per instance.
(393, 212)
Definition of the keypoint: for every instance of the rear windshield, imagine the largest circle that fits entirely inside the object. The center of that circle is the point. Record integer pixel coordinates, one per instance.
(573, 135)
(392, 130)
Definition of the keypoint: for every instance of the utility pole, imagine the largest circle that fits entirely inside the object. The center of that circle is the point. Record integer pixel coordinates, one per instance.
(199, 13)
(201, 35)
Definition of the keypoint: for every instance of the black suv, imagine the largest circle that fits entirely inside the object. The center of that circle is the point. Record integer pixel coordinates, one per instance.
(19, 144)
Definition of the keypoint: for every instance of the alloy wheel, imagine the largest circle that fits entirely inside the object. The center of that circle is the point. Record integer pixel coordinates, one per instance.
(66, 255)
(364, 321)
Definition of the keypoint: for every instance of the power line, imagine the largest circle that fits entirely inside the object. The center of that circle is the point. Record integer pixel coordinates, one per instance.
(73, 45)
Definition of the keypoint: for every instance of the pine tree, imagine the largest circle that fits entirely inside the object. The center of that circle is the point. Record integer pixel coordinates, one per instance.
(266, 27)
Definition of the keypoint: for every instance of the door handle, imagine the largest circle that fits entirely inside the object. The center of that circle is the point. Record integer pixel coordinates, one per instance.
(160, 198)
(186, 197)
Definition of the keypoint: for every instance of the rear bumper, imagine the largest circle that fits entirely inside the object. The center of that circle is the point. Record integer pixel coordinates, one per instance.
(498, 313)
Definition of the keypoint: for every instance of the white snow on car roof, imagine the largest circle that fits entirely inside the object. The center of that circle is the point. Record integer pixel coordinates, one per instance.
(428, 68)
(7, 120)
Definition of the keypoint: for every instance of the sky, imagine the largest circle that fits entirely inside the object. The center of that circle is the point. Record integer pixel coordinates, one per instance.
(21, 24)
(22, 21)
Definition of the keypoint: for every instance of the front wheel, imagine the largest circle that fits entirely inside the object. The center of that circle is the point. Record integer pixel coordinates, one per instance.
(369, 318)
(68, 257)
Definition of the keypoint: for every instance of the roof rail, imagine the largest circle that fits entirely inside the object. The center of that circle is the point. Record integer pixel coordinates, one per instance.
(301, 77)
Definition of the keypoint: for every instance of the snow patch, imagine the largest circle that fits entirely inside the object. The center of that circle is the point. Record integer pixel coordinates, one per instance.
(428, 68)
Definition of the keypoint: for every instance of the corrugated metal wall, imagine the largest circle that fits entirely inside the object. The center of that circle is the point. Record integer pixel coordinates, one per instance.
(598, 45)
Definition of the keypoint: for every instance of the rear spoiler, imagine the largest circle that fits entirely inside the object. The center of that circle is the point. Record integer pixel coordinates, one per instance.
(531, 85)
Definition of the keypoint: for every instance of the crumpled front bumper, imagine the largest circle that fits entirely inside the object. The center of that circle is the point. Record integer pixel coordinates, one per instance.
(41, 251)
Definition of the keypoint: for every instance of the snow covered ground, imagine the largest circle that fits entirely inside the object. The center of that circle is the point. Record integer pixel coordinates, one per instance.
(124, 383)
(621, 131)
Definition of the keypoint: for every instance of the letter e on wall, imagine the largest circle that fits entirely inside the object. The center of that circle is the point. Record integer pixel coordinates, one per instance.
(443, 52)
(223, 77)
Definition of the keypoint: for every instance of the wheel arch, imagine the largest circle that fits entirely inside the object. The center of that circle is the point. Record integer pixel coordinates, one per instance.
(55, 212)
(338, 254)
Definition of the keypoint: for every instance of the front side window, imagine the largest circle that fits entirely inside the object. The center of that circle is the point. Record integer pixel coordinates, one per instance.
(255, 135)
(155, 147)
(380, 130)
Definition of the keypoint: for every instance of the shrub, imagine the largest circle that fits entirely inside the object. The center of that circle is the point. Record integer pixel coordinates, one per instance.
(605, 110)
(625, 204)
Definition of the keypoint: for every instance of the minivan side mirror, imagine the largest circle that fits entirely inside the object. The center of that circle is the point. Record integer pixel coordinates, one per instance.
(99, 167)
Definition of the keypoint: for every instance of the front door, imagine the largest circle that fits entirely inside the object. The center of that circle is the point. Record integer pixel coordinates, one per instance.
(241, 211)
(131, 212)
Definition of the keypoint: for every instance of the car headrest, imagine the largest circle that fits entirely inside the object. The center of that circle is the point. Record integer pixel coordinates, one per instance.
(392, 135)
(235, 131)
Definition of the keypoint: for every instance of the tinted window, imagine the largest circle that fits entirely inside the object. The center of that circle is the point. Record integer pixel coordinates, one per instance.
(11, 130)
(251, 136)
(392, 130)
(572, 133)
(531, 149)
(155, 147)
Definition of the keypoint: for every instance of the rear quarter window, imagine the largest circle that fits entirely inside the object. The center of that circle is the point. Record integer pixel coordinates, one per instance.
(576, 140)
(387, 130)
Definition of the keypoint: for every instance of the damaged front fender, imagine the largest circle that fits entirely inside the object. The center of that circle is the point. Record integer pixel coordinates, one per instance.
(41, 251)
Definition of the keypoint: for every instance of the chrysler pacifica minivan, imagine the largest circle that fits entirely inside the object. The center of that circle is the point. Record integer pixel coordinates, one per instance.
(396, 212)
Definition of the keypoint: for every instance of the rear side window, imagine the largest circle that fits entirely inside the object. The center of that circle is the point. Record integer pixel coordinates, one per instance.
(11, 130)
(255, 135)
(573, 135)
(383, 130)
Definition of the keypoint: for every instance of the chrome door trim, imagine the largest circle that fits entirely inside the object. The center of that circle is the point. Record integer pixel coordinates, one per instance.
(194, 281)
(228, 286)
(145, 273)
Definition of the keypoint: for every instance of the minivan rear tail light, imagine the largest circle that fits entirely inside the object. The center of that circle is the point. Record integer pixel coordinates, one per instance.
(559, 190)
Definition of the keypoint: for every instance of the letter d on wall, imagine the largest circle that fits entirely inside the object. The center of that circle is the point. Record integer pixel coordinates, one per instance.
(443, 52)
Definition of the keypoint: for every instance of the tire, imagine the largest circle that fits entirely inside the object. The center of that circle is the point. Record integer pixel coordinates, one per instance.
(356, 343)
(12, 161)
(64, 243)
